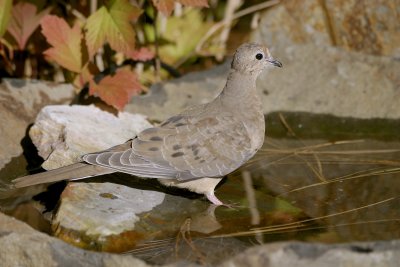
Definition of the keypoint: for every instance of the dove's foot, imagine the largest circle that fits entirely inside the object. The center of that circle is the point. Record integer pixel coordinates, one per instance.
(213, 199)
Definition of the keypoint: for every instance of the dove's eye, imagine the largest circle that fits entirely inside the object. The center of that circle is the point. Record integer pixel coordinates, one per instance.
(259, 56)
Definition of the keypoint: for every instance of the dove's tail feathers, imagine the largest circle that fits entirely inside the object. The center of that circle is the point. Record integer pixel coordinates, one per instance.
(71, 172)
(130, 164)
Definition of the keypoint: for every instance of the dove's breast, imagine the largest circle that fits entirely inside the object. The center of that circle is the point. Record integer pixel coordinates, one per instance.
(255, 126)
(254, 121)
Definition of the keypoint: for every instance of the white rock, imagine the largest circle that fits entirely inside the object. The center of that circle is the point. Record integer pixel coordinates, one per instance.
(104, 208)
(62, 134)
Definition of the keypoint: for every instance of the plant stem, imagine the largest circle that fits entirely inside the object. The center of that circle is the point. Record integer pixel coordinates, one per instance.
(235, 16)
(157, 63)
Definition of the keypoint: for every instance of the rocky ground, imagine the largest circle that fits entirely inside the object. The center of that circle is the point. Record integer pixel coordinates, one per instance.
(39, 249)
(20, 102)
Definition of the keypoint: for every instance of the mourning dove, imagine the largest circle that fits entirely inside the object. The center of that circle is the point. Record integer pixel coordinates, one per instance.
(195, 148)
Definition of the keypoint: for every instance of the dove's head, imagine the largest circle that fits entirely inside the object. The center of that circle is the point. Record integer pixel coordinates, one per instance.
(252, 58)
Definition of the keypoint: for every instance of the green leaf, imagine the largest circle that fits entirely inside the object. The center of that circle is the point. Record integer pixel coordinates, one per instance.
(5, 13)
(111, 24)
(181, 37)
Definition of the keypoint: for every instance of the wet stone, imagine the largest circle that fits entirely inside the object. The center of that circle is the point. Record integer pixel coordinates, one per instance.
(117, 217)
(102, 210)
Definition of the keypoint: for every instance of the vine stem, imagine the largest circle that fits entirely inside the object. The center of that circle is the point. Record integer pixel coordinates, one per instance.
(230, 9)
(157, 62)
(223, 23)
(235, 16)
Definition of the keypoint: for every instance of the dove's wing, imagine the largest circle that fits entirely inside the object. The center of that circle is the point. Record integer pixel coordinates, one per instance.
(201, 146)
(191, 145)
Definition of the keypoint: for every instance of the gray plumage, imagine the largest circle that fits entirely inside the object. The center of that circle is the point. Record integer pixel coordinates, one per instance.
(195, 148)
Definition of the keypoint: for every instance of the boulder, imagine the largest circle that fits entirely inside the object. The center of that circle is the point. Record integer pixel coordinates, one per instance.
(117, 217)
(169, 98)
(310, 255)
(316, 79)
(20, 245)
(371, 27)
(62, 134)
(339, 58)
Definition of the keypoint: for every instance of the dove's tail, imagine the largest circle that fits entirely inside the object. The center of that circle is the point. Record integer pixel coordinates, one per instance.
(71, 172)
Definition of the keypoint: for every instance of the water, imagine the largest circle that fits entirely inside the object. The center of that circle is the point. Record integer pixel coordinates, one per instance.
(317, 179)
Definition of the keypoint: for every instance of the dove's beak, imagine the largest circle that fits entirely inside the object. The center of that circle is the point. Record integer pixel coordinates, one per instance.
(275, 62)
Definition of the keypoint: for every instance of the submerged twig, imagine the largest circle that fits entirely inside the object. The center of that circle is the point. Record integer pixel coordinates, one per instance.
(344, 178)
(184, 233)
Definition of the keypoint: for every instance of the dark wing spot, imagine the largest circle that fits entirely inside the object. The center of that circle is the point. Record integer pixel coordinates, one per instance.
(202, 161)
(153, 148)
(193, 147)
(177, 154)
(176, 147)
(180, 124)
(175, 118)
(172, 120)
(156, 138)
(196, 158)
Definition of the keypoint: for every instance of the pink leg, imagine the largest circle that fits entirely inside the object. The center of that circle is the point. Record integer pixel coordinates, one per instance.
(213, 199)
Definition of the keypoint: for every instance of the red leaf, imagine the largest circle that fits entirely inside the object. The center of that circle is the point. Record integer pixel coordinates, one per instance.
(24, 22)
(66, 42)
(116, 90)
(166, 6)
(198, 3)
(143, 54)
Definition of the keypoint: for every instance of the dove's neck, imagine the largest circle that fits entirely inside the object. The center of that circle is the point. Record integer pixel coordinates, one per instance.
(240, 88)
(240, 97)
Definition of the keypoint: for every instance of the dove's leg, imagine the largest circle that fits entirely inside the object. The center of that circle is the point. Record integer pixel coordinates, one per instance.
(213, 199)
(205, 186)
